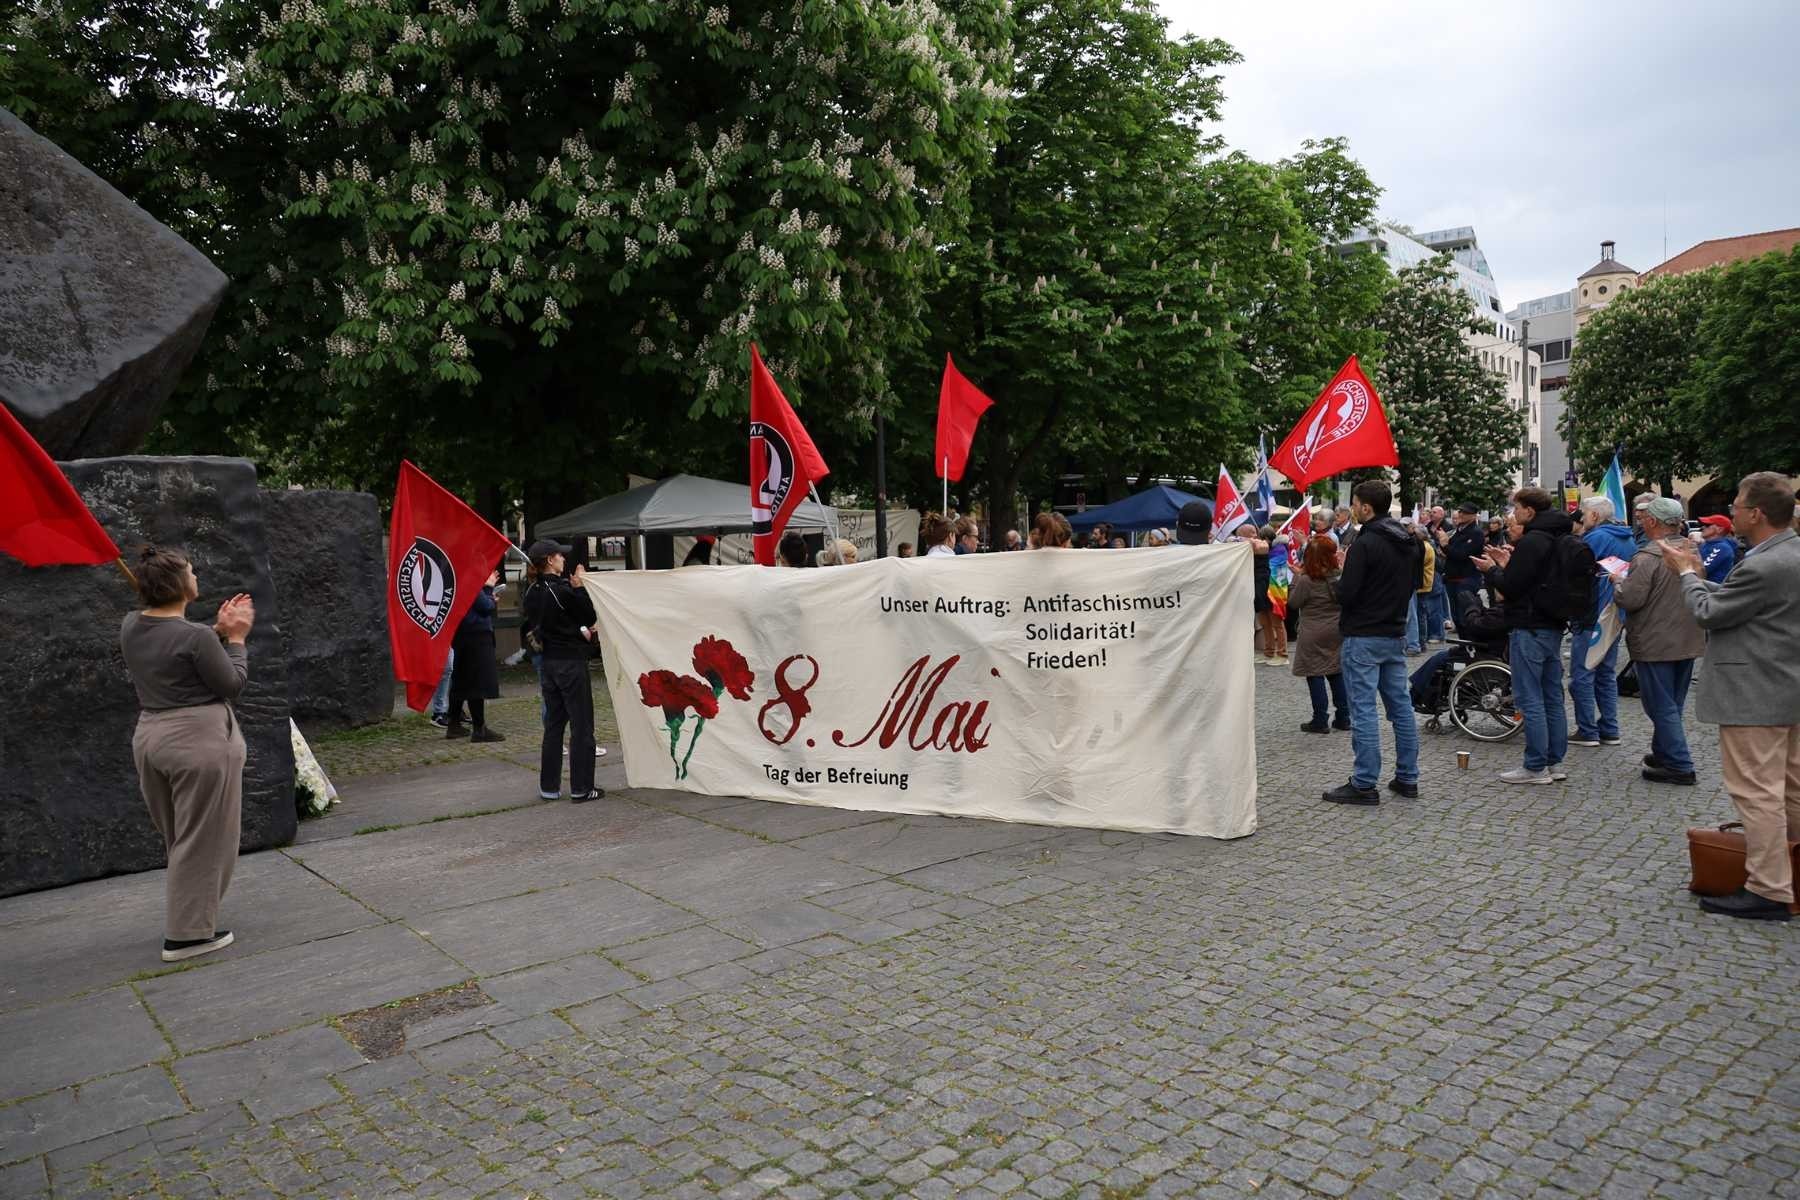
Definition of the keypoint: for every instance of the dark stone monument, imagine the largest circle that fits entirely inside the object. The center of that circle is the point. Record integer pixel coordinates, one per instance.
(101, 306)
(325, 551)
(69, 802)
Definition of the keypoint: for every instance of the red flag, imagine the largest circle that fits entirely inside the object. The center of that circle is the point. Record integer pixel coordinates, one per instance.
(440, 552)
(1344, 428)
(1228, 507)
(784, 464)
(42, 519)
(960, 405)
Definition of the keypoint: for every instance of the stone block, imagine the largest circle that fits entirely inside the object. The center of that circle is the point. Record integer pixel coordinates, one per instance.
(330, 573)
(70, 808)
(101, 304)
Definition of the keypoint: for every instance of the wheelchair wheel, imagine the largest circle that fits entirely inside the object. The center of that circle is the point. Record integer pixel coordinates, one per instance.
(1481, 702)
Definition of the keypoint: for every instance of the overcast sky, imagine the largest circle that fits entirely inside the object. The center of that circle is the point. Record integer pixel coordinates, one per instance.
(1547, 126)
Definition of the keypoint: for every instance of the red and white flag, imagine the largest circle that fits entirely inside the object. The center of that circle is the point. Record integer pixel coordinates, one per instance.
(440, 552)
(42, 518)
(784, 464)
(1344, 428)
(1228, 507)
(960, 405)
(1298, 527)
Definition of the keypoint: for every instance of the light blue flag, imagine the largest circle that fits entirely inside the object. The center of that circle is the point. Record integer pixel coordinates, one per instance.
(1265, 491)
(1613, 488)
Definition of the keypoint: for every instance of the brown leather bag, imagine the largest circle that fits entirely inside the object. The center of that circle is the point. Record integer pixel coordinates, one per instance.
(1717, 858)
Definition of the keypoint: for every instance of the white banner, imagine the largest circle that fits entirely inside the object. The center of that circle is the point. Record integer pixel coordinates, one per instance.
(1110, 689)
(855, 524)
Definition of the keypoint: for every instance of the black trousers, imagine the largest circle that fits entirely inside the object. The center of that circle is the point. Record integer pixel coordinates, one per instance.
(568, 701)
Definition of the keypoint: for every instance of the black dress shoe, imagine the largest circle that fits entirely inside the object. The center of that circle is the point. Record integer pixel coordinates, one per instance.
(1409, 790)
(454, 730)
(1650, 760)
(1748, 905)
(1349, 793)
(1314, 727)
(1341, 723)
(1665, 775)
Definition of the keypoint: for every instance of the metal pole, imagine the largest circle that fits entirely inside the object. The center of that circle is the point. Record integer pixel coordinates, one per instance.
(946, 509)
(881, 538)
(1525, 392)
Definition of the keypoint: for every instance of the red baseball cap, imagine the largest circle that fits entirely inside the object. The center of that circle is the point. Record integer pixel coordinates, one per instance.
(1717, 521)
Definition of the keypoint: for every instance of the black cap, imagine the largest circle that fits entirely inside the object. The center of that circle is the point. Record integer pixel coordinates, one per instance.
(1466, 507)
(1194, 526)
(543, 548)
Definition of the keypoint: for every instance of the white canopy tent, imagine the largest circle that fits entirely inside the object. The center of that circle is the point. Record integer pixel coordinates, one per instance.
(680, 504)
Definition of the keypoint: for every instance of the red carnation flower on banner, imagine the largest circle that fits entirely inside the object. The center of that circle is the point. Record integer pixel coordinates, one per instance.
(675, 694)
(721, 665)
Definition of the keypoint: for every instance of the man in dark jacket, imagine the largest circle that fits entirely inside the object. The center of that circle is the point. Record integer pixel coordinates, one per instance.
(1382, 570)
(1461, 543)
(562, 617)
(1534, 648)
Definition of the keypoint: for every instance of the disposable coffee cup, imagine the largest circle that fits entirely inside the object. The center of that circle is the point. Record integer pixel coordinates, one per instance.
(1462, 760)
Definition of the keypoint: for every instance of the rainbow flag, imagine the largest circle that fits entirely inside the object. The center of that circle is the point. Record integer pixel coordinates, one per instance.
(1278, 578)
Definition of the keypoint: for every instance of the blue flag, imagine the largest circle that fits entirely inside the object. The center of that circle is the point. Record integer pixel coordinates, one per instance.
(1613, 488)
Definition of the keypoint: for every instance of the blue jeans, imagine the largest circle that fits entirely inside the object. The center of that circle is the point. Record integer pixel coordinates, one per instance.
(1375, 666)
(1596, 691)
(1414, 639)
(1535, 656)
(440, 699)
(1435, 610)
(1316, 685)
(1663, 688)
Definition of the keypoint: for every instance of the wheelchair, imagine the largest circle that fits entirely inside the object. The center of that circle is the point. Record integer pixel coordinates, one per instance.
(1472, 683)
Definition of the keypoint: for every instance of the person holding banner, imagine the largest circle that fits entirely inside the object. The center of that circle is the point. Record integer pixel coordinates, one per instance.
(562, 619)
(187, 747)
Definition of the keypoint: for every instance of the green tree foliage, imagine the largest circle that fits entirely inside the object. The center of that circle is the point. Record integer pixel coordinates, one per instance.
(1628, 377)
(1743, 390)
(1455, 426)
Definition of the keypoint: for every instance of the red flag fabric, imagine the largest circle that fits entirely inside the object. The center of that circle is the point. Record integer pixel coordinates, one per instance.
(960, 405)
(1228, 507)
(1344, 428)
(784, 464)
(440, 552)
(42, 519)
(1298, 527)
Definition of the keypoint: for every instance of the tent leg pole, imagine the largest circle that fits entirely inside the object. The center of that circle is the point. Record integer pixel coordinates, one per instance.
(642, 565)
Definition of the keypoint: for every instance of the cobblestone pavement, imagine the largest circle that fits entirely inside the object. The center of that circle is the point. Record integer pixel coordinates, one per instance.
(1489, 991)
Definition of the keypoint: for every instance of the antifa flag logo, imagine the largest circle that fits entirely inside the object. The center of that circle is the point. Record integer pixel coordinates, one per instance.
(773, 461)
(426, 585)
(1345, 407)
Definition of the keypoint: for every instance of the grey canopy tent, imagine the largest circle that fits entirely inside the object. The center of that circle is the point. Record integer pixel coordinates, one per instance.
(676, 505)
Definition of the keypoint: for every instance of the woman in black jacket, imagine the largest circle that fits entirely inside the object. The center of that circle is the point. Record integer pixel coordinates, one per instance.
(562, 619)
(475, 675)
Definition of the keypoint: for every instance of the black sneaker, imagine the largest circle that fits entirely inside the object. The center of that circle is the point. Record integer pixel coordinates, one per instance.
(1402, 788)
(174, 951)
(455, 730)
(484, 734)
(440, 720)
(1349, 793)
(1666, 775)
(1314, 727)
(1748, 905)
(583, 798)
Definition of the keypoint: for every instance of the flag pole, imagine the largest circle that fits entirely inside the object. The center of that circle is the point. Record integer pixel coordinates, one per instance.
(126, 571)
(946, 508)
(831, 521)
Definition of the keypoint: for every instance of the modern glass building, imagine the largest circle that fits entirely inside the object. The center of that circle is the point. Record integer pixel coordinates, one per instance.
(1403, 249)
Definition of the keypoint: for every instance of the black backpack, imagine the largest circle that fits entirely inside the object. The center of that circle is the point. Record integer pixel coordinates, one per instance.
(1567, 591)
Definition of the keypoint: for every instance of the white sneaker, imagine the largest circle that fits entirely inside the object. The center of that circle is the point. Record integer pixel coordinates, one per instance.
(1557, 774)
(1590, 742)
(1521, 775)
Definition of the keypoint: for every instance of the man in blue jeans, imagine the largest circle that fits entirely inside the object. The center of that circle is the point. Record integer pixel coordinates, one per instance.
(1522, 573)
(1382, 570)
(1595, 690)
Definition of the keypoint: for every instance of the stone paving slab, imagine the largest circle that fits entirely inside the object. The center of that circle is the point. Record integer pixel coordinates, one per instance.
(554, 985)
(234, 1000)
(422, 794)
(107, 930)
(72, 1115)
(264, 1066)
(499, 935)
(752, 877)
(52, 1044)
